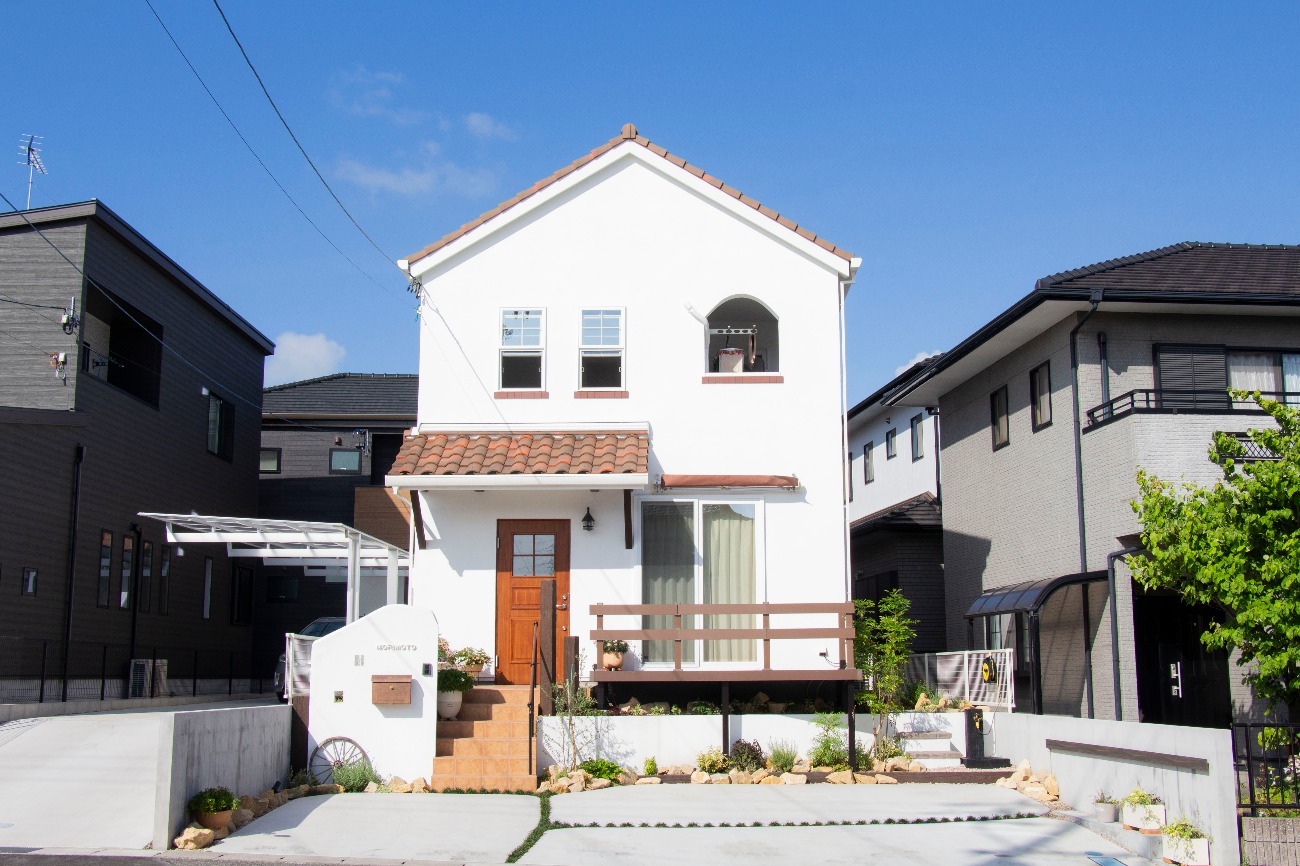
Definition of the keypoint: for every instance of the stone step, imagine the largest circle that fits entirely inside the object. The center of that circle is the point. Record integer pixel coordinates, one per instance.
(924, 735)
(483, 747)
(484, 783)
(458, 766)
(489, 712)
(936, 754)
(497, 695)
(491, 728)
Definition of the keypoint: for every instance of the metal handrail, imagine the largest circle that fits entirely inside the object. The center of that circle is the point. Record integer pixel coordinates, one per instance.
(1174, 400)
(532, 700)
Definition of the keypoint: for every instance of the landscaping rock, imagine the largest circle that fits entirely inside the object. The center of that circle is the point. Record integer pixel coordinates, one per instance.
(916, 767)
(626, 778)
(843, 777)
(650, 780)
(1050, 783)
(823, 769)
(719, 779)
(801, 766)
(250, 804)
(699, 777)
(793, 779)
(864, 778)
(739, 777)
(398, 785)
(1023, 771)
(878, 766)
(419, 786)
(544, 787)
(882, 779)
(558, 787)
(759, 776)
(577, 783)
(218, 835)
(1035, 791)
(194, 838)
(597, 784)
(680, 769)
(321, 789)
(371, 788)
(240, 817)
(771, 780)
(902, 764)
(553, 772)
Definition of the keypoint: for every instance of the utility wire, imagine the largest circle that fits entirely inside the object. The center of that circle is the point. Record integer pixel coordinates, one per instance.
(8, 300)
(259, 159)
(301, 149)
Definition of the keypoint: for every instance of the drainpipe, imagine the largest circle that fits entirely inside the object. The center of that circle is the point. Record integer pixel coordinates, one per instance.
(1094, 300)
(844, 428)
(938, 480)
(1114, 623)
(79, 455)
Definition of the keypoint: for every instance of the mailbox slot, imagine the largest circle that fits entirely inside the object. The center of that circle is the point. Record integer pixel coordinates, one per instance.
(390, 689)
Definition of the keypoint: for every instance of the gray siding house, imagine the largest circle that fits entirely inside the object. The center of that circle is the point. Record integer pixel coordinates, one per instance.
(1048, 412)
(148, 401)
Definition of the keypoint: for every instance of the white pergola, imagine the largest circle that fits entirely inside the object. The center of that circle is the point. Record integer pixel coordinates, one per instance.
(334, 550)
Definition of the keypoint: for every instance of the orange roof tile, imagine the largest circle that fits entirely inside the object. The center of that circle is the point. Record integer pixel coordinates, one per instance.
(629, 133)
(524, 454)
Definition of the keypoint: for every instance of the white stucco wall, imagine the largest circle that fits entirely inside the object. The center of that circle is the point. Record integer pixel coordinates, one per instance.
(396, 639)
(642, 235)
(901, 478)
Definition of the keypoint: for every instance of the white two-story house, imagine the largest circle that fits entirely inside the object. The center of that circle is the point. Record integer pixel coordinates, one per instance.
(630, 383)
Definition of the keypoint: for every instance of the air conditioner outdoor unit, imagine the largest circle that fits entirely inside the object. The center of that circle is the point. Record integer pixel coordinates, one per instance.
(160, 678)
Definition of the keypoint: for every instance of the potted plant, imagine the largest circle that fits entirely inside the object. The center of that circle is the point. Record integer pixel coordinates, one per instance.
(1186, 843)
(470, 659)
(613, 654)
(1143, 811)
(212, 807)
(452, 685)
(1106, 807)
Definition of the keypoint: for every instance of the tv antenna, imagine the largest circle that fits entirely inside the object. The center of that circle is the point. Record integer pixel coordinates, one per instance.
(29, 147)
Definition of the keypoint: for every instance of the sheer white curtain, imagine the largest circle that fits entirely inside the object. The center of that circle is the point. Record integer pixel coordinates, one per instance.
(1252, 371)
(1291, 378)
(667, 570)
(729, 576)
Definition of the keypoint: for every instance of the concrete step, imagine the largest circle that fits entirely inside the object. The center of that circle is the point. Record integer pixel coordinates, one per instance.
(484, 783)
(497, 695)
(483, 747)
(491, 728)
(924, 735)
(492, 712)
(934, 754)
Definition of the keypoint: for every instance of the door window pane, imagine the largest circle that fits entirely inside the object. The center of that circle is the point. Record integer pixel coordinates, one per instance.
(667, 570)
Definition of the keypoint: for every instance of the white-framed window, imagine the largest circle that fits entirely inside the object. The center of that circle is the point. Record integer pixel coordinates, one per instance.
(600, 356)
(701, 551)
(918, 439)
(523, 349)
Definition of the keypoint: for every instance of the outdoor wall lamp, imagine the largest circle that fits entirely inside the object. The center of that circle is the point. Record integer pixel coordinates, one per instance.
(588, 522)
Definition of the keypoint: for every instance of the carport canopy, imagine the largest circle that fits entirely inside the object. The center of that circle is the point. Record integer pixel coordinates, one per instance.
(1027, 597)
(328, 548)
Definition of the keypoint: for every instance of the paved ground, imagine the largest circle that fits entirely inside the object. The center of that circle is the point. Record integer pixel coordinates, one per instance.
(85, 781)
(476, 827)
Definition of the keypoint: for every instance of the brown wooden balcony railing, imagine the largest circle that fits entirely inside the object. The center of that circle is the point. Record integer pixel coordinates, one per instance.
(841, 634)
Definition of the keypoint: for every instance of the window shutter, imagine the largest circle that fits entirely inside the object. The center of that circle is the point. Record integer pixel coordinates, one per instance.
(1192, 377)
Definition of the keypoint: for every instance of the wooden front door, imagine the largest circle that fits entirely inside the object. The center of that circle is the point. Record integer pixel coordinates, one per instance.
(528, 552)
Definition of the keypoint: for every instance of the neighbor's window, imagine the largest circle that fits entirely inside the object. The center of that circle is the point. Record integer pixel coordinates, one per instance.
(164, 577)
(1001, 424)
(918, 439)
(105, 568)
(207, 587)
(891, 444)
(121, 345)
(268, 461)
(523, 349)
(281, 588)
(345, 461)
(1040, 396)
(29, 581)
(221, 427)
(850, 473)
(601, 354)
(128, 567)
(146, 574)
(869, 463)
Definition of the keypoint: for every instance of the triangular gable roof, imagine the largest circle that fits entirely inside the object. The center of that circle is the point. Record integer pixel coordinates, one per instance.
(629, 133)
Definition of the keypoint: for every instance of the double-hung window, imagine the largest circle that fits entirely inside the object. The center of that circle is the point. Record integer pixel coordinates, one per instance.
(601, 353)
(523, 349)
(700, 552)
(1040, 396)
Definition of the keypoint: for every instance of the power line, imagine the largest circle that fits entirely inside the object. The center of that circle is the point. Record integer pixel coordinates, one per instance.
(259, 159)
(8, 300)
(301, 149)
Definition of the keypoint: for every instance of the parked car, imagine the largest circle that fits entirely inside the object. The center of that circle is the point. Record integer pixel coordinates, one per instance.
(316, 628)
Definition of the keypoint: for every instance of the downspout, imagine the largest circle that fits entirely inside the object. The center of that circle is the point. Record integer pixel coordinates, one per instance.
(933, 411)
(844, 429)
(1094, 300)
(1111, 558)
(79, 455)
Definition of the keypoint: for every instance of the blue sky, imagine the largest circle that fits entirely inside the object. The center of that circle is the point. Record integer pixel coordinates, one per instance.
(962, 149)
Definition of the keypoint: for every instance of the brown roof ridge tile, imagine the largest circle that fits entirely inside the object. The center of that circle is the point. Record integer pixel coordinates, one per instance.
(628, 134)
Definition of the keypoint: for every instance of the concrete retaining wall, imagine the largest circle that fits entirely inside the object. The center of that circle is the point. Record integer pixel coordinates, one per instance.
(245, 749)
(1208, 799)
(10, 712)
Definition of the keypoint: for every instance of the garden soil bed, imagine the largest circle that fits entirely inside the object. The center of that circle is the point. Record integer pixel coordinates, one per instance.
(950, 777)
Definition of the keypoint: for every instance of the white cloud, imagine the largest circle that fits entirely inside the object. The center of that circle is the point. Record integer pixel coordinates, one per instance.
(374, 94)
(432, 176)
(916, 359)
(482, 125)
(303, 356)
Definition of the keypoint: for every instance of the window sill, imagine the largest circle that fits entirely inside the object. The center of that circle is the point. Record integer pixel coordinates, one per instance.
(521, 395)
(600, 395)
(741, 379)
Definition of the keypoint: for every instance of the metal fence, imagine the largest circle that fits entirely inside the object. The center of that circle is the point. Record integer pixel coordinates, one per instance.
(983, 677)
(1268, 768)
(32, 671)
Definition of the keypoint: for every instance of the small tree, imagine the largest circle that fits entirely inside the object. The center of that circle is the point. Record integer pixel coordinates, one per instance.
(880, 649)
(1236, 545)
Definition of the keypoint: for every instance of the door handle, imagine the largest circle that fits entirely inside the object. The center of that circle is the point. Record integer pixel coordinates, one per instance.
(561, 607)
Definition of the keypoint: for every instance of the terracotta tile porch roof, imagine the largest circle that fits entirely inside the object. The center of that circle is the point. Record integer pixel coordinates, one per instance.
(629, 133)
(586, 453)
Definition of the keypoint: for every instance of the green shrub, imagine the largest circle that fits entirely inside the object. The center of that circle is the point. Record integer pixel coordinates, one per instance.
(747, 755)
(301, 777)
(1139, 797)
(829, 748)
(712, 761)
(213, 800)
(651, 766)
(886, 747)
(355, 776)
(1185, 830)
(601, 769)
(454, 680)
(1103, 797)
(781, 755)
(571, 700)
(702, 708)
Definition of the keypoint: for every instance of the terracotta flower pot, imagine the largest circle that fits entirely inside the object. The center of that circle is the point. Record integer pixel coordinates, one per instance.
(474, 670)
(1189, 852)
(449, 705)
(613, 661)
(214, 820)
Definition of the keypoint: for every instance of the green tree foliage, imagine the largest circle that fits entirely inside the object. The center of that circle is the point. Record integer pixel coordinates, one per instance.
(884, 641)
(1236, 545)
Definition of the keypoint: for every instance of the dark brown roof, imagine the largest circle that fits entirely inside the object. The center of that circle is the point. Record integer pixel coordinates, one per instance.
(919, 511)
(524, 454)
(629, 133)
(1194, 268)
(346, 394)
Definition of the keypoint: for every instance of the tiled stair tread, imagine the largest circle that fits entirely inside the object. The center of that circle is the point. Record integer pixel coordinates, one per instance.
(483, 728)
(924, 735)
(483, 747)
(456, 767)
(497, 695)
(486, 783)
(484, 712)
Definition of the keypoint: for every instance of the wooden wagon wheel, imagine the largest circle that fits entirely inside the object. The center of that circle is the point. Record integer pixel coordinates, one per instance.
(334, 753)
